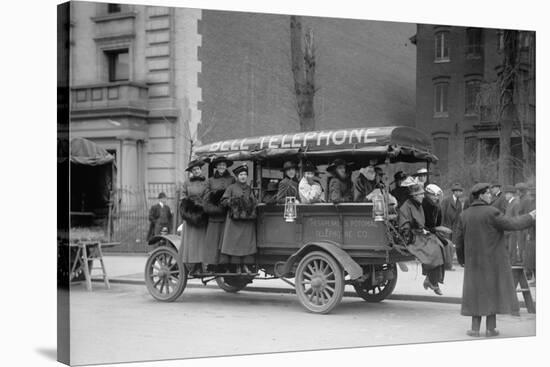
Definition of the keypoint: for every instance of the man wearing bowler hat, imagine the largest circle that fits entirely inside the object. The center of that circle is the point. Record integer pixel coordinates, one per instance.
(488, 287)
(160, 216)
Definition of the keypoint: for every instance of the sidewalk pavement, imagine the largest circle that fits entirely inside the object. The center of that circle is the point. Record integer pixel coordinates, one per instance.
(130, 269)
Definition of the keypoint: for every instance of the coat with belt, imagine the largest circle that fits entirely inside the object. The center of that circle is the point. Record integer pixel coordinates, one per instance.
(239, 237)
(450, 213)
(488, 286)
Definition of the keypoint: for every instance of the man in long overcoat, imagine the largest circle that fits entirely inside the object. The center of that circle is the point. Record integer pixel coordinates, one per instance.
(451, 207)
(160, 216)
(488, 287)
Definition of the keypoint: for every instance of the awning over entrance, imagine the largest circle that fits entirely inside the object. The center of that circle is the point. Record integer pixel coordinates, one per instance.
(85, 152)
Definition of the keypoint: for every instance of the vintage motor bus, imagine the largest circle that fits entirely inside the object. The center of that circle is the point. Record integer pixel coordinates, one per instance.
(323, 246)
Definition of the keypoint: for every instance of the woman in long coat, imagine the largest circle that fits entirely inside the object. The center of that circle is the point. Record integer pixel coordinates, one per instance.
(215, 188)
(480, 245)
(239, 237)
(194, 228)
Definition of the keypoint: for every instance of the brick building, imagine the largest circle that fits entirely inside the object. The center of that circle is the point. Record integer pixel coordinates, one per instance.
(143, 79)
(453, 65)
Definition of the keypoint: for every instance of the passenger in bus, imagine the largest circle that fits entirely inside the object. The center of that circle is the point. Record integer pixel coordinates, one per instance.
(433, 217)
(215, 188)
(239, 238)
(310, 189)
(380, 174)
(400, 192)
(270, 192)
(420, 242)
(365, 183)
(195, 219)
(289, 184)
(340, 187)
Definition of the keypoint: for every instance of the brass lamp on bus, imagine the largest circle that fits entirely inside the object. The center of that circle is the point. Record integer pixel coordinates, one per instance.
(290, 209)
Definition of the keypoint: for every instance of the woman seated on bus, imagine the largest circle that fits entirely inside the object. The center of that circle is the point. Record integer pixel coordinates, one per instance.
(289, 184)
(365, 183)
(310, 189)
(340, 188)
(425, 246)
(270, 192)
(239, 237)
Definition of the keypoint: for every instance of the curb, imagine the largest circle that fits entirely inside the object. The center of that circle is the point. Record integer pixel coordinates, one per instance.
(395, 297)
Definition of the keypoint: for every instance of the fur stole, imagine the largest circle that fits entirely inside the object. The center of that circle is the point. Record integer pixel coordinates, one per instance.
(192, 211)
(242, 208)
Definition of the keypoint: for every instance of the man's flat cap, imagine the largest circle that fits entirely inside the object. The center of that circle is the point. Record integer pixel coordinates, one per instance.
(479, 187)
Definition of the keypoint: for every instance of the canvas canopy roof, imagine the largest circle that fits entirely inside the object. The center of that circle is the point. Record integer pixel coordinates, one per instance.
(397, 143)
(84, 152)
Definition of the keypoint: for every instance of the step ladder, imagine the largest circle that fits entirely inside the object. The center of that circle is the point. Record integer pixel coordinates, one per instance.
(84, 260)
(520, 278)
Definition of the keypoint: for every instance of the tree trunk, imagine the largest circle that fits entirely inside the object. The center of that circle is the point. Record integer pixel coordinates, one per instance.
(303, 71)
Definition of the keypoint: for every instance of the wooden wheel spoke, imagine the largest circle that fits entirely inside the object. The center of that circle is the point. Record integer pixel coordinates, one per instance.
(329, 274)
(310, 268)
(327, 294)
(328, 287)
(306, 274)
(157, 282)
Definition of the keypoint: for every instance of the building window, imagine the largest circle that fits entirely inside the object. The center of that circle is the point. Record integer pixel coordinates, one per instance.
(441, 100)
(441, 47)
(118, 63)
(113, 8)
(473, 88)
(474, 42)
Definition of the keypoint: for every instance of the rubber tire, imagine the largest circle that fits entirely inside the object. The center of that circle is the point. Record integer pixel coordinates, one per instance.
(379, 297)
(182, 276)
(231, 284)
(339, 285)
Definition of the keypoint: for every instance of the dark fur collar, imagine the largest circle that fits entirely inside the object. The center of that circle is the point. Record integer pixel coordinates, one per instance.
(225, 174)
(196, 178)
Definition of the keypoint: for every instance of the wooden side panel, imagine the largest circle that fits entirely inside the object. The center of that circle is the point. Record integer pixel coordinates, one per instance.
(350, 225)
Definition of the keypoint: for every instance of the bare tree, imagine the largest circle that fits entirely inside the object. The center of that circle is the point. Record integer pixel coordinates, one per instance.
(505, 101)
(303, 71)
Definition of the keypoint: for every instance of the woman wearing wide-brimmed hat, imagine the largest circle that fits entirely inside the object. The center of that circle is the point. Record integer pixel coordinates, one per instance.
(215, 188)
(340, 187)
(289, 184)
(192, 212)
(239, 238)
(310, 190)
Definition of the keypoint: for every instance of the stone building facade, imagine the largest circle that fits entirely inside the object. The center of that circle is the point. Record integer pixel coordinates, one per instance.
(147, 83)
(134, 89)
